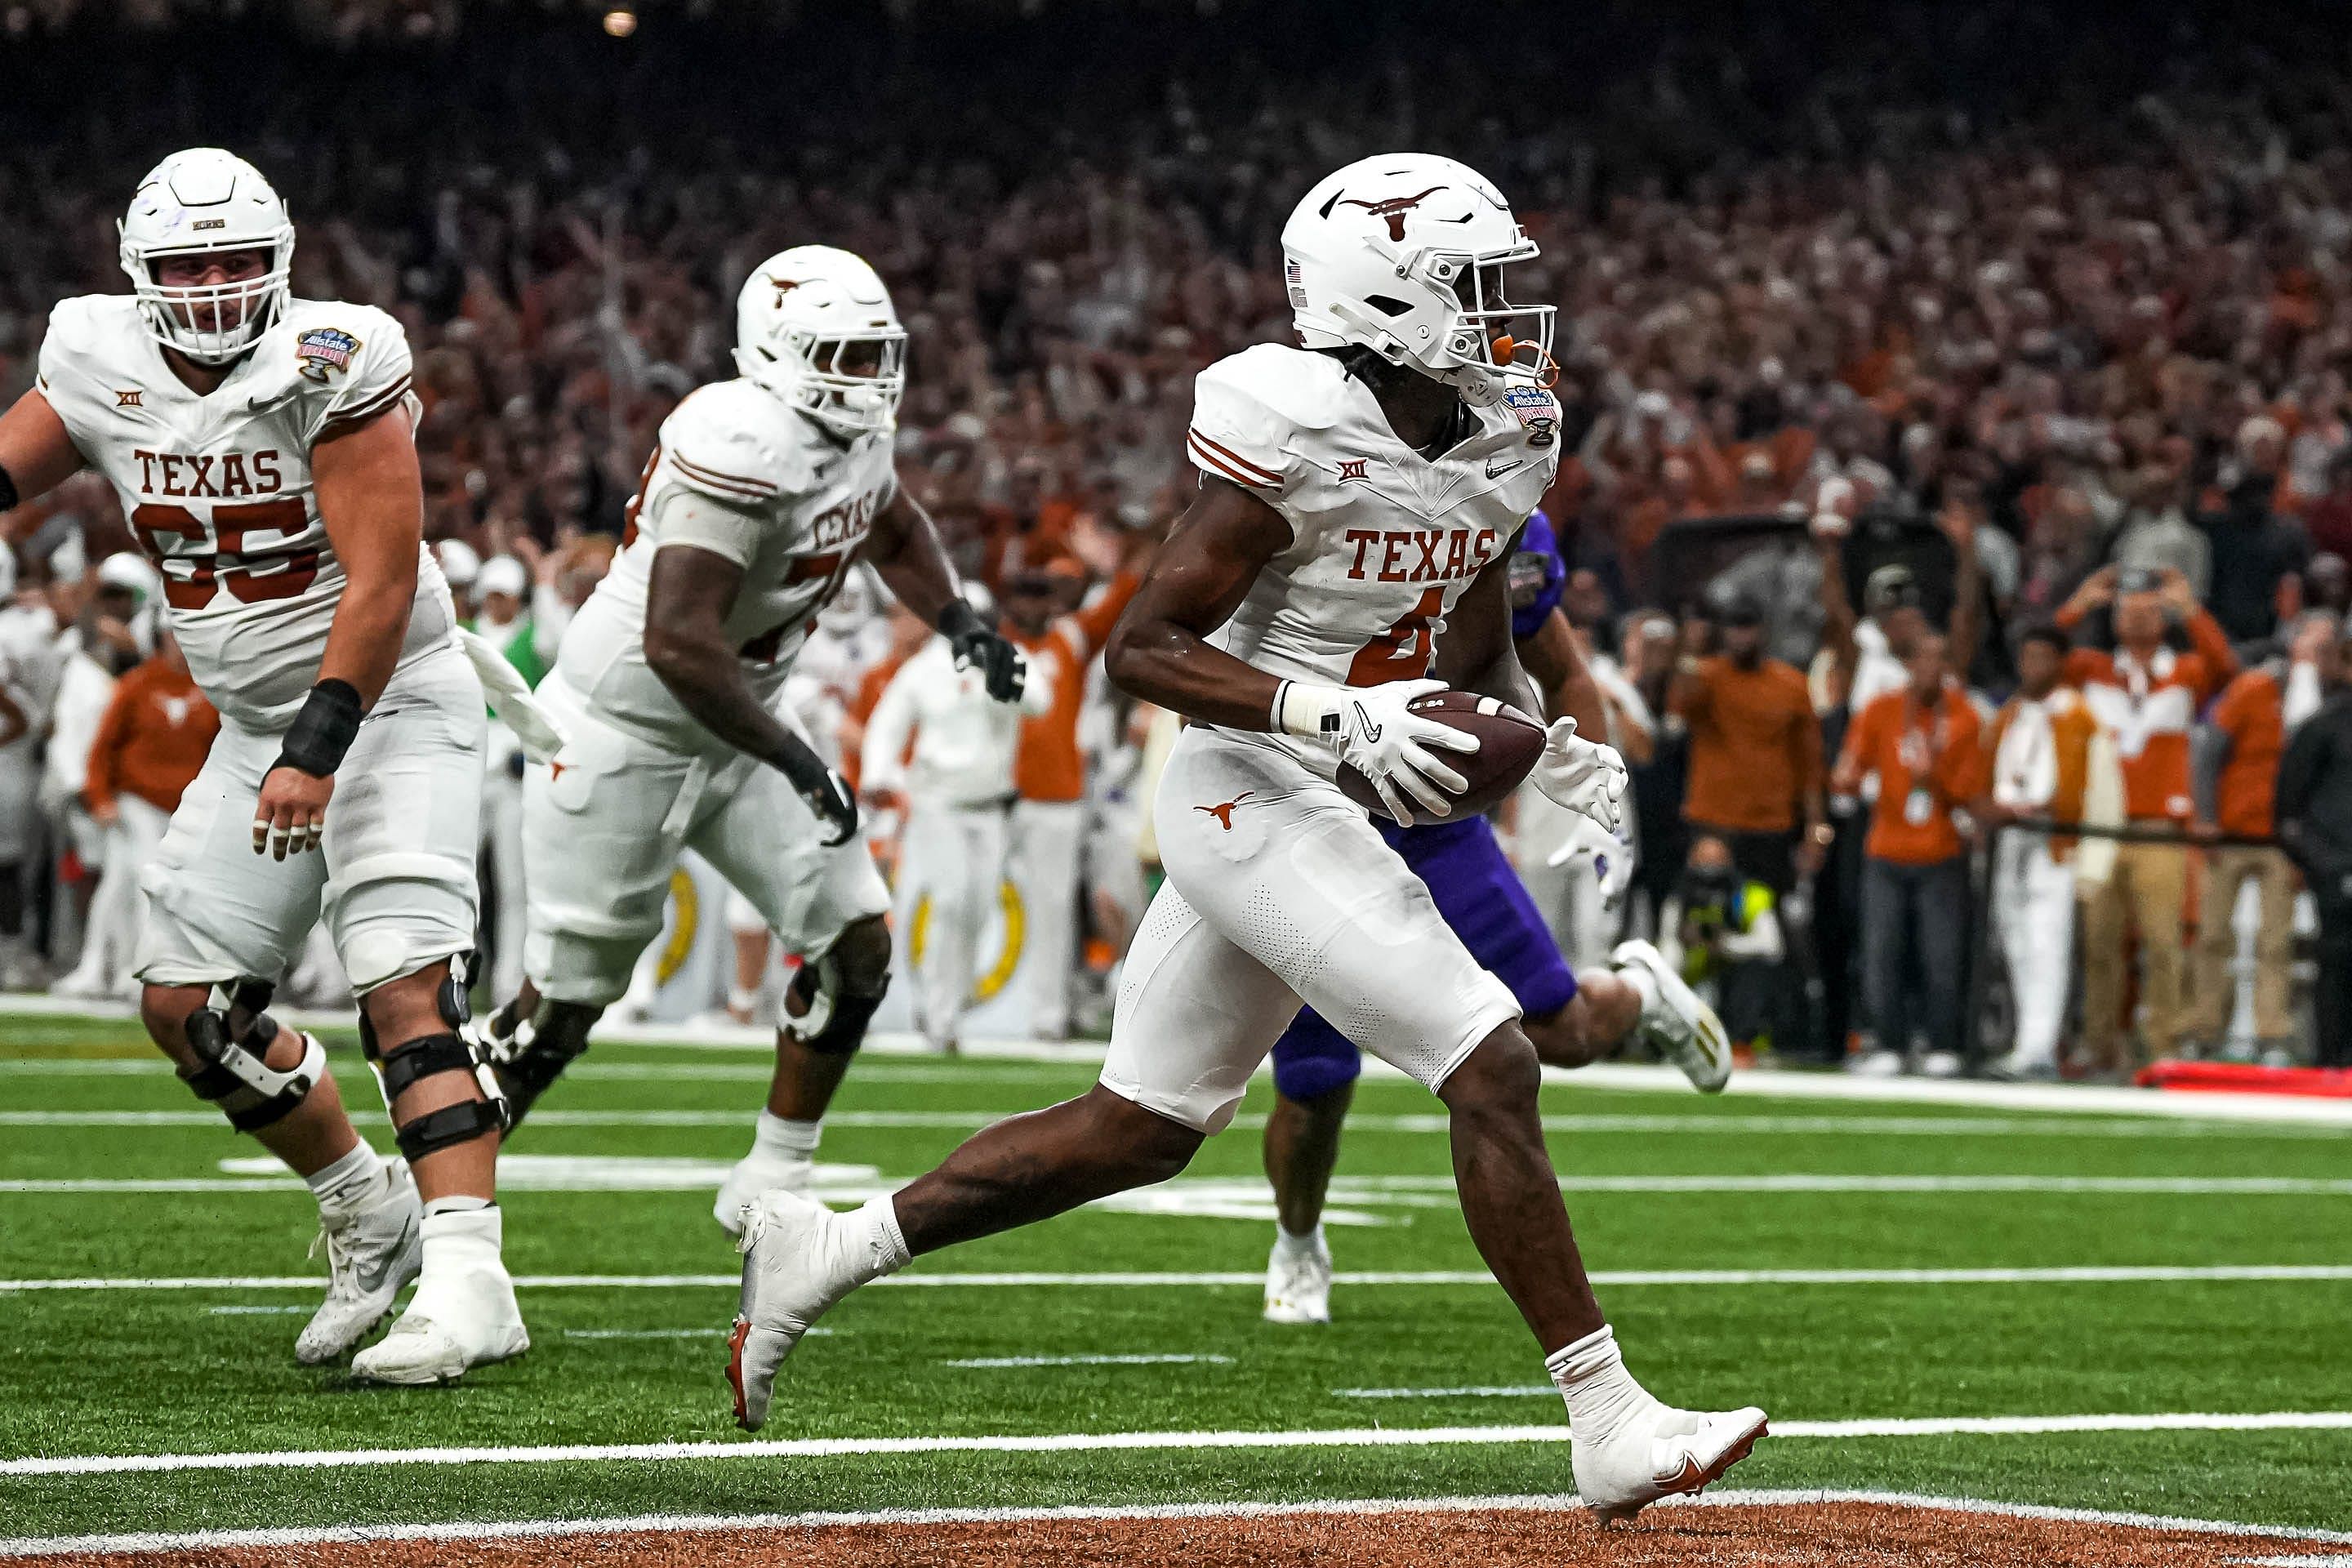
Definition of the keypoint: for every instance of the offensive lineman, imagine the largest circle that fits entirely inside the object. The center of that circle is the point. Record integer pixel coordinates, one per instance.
(761, 495)
(1572, 1020)
(1357, 495)
(263, 449)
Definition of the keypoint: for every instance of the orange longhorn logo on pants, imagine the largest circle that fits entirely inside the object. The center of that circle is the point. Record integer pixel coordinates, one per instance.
(1224, 813)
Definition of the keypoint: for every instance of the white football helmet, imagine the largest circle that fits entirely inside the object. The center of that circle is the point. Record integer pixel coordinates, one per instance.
(815, 325)
(1403, 254)
(201, 200)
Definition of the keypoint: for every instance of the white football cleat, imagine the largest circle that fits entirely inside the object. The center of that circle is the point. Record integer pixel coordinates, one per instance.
(1298, 1282)
(463, 1314)
(1658, 1452)
(371, 1256)
(799, 1259)
(755, 1173)
(1684, 1027)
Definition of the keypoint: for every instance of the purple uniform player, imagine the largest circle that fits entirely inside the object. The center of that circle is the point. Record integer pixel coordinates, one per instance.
(1481, 897)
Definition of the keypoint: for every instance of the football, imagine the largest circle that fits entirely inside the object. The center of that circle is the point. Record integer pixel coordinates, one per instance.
(1508, 744)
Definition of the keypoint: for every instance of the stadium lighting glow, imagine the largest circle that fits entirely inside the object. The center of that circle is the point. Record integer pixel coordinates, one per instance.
(620, 23)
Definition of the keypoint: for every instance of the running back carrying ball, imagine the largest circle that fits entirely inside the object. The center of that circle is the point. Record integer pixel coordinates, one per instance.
(1508, 744)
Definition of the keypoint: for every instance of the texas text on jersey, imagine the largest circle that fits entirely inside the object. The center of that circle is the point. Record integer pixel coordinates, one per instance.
(217, 489)
(1384, 540)
(792, 506)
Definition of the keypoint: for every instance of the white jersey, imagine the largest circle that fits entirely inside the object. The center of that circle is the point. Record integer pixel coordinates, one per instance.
(796, 506)
(217, 489)
(1383, 541)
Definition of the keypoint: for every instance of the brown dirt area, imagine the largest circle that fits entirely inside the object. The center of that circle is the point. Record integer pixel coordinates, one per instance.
(1823, 1535)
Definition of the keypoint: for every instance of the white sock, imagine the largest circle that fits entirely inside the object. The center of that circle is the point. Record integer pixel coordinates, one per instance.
(1644, 985)
(785, 1140)
(1592, 1378)
(882, 1247)
(1295, 1247)
(351, 1184)
(458, 1204)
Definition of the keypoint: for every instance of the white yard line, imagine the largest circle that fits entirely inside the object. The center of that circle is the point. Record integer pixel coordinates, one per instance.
(1129, 1442)
(1464, 1390)
(996, 1361)
(1432, 1192)
(1429, 1124)
(2125, 1274)
(675, 1523)
(2078, 1099)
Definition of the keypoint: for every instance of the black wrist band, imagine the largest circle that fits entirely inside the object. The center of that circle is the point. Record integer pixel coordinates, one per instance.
(323, 731)
(958, 618)
(7, 492)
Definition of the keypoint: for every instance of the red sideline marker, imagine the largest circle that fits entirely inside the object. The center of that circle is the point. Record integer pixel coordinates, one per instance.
(2246, 1077)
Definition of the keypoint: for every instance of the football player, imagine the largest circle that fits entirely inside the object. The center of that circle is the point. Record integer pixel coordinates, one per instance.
(1571, 1019)
(263, 448)
(761, 496)
(1359, 495)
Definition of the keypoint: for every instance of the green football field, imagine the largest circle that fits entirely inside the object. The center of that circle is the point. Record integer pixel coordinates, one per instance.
(1912, 1289)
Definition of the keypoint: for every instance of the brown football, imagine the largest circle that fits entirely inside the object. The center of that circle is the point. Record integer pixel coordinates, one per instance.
(1508, 744)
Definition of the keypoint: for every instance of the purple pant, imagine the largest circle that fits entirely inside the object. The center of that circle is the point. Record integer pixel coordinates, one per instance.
(1488, 908)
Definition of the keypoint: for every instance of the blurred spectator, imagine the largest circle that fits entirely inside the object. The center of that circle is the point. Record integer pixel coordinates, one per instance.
(26, 632)
(2049, 758)
(941, 747)
(148, 749)
(2147, 694)
(2237, 759)
(1922, 744)
(496, 588)
(1049, 772)
(108, 638)
(1755, 761)
(2315, 823)
(2256, 552)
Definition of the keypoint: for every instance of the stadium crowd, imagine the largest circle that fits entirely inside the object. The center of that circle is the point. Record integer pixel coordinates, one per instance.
(1928, 470)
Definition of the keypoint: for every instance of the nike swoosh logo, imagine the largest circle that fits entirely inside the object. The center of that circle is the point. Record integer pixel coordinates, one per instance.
(1364, 725)
(390, 1258)
(1495, 473)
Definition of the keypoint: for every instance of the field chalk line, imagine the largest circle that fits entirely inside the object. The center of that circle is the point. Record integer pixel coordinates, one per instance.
(1128, 1442)
(2091, 1274)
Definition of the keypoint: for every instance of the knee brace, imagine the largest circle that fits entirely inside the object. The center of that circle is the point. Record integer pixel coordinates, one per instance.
(529, 1054)
(835, 1019)
(431, 1056)
(237, 1074)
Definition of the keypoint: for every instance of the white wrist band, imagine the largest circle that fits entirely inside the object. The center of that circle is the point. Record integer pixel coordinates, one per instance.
(1309, 711)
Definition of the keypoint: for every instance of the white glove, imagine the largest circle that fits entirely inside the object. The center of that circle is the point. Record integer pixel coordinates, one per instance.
(1611, 858)
(1588, 779)
(1379, 738)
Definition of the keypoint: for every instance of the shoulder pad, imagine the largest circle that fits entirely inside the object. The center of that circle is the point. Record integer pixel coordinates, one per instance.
(346, 364)
(1304, 390)
(81, 329)
(737, 442)
(1252, 410)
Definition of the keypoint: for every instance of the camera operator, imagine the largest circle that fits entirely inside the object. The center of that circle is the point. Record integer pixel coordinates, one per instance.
(1720, 931)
